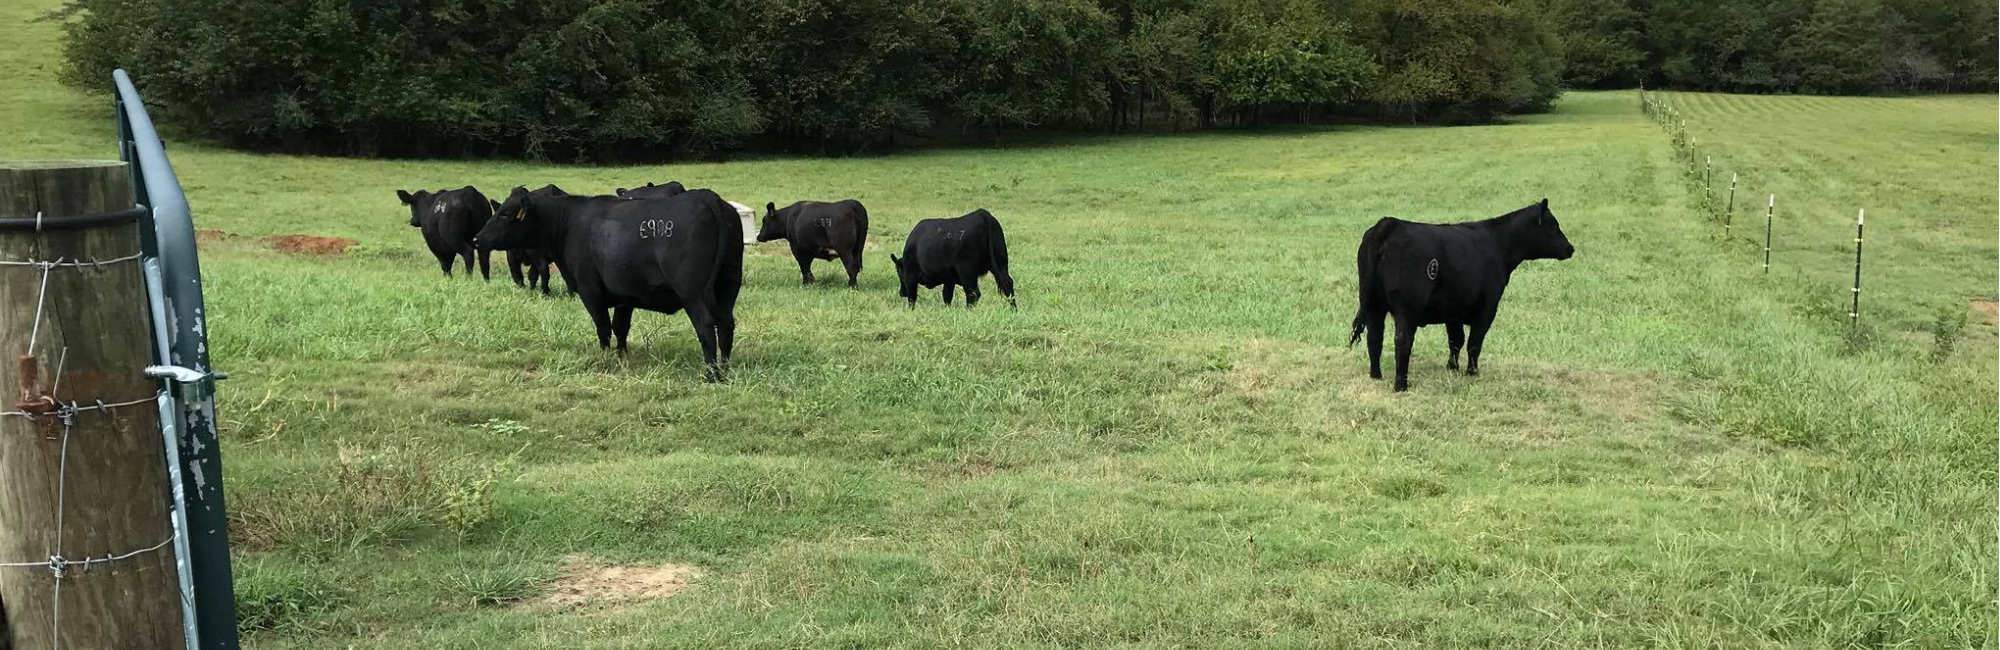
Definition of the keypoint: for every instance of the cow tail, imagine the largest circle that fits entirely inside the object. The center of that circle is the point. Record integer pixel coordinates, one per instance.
(1369, 305)
(732, 238)
(996, 244)
(861, 229)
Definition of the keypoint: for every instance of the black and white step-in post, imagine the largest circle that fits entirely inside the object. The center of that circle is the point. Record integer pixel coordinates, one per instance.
(1729, 213)
(1854, 311)
(1770, 209)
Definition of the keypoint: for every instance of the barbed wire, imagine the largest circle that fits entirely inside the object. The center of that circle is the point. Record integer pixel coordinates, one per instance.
(66, 412)
(59, 261)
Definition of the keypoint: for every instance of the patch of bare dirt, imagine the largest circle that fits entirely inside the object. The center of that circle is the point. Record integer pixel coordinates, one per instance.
(309, 244)
(585, 582)
(1988, 308)
(214, 235)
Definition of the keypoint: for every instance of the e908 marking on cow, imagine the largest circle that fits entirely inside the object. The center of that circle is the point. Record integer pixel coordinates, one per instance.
(651, 228)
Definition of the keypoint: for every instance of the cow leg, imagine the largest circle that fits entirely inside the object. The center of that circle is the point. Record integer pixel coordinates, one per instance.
(1406, 336)
(705, 330)
(1457, 333)
(971, 288)
(1479, 327)
(805, 258)
(621, 324)
(514, 264)
(725, 338)
(471, 256)
(600, 316)
(852, 260)
(444, 262)
(1374, 326)
(947, 292)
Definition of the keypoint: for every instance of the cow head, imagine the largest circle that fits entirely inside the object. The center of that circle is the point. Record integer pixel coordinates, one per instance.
(418, 202)
(1543, 237)
(772, 228)
(907, 276)
(511, 225)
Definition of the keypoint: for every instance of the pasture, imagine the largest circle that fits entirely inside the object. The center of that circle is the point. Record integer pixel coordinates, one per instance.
(1169, 444)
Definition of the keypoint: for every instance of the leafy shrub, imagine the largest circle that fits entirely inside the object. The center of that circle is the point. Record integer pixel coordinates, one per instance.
(1946, 329)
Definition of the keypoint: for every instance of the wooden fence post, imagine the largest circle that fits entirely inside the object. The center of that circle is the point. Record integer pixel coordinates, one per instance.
(86, 553)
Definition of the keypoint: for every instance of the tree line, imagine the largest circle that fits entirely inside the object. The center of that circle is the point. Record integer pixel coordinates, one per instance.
(611, 79)
(1781, 46)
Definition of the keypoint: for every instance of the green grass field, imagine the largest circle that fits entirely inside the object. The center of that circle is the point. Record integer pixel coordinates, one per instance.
(1169, 444)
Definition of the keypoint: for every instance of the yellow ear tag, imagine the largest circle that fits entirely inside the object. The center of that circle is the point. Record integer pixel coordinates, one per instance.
(523, 214)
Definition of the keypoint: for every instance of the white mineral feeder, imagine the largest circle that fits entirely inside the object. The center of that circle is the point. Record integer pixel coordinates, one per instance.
(749, 218)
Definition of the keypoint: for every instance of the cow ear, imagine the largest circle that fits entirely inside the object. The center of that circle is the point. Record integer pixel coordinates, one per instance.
(895, 262)
(770, 207)
(405, 196)
(494, 205)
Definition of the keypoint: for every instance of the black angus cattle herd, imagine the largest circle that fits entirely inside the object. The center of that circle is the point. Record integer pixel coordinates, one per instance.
(669, 249)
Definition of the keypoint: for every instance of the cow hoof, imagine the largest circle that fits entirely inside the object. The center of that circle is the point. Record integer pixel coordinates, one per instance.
(1402, 388)
(1451, 365)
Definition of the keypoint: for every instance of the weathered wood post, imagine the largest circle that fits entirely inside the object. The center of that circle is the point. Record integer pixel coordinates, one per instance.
(86, 559)
(1854, 312)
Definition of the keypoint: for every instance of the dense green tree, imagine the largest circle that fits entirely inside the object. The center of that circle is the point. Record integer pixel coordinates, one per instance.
(593, 79)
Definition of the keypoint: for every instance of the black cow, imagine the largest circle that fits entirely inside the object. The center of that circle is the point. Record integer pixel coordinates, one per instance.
(530, 259)
(955, 252)
(1424, 274)
(651, 191)
(665, 255)
(819, 231)
(449, 219)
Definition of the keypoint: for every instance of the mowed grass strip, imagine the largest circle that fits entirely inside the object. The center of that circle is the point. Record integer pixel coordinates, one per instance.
(1168, 444)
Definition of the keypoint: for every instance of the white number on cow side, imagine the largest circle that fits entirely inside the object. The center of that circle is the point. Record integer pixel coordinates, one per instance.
(826, 222)
(955, 234)
(651, 228)
(437, 207)
(1431, 270)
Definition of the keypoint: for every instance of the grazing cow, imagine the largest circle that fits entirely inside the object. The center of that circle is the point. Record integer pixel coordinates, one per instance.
(819, 230)
(955, 252)
(1425, 274)
(683, 253)
(449, 219)
(529, 258)
(651, 191)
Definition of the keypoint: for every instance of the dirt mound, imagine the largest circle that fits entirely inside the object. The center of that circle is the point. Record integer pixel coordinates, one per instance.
(309, 244)
(587, 583)
(1989, 309)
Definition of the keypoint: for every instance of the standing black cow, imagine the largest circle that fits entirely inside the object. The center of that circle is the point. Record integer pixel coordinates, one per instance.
(819, 231)
(1424, 274)
(449, 219)
(955, 252)
(663, 255)
(651, 191)
(528, 258)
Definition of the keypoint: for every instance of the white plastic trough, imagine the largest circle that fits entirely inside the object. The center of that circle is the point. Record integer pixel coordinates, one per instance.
(749, 218)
